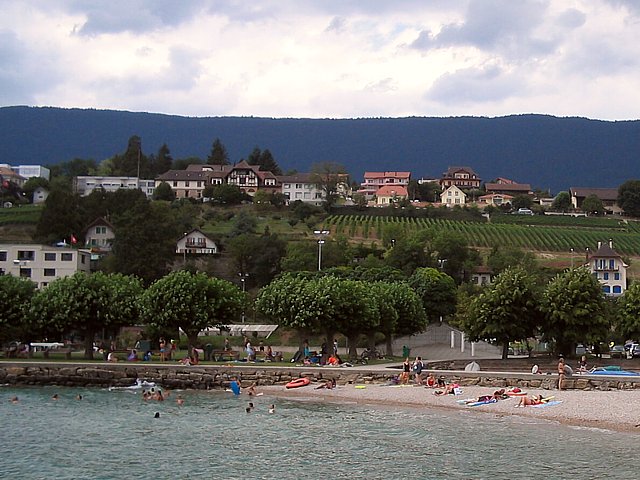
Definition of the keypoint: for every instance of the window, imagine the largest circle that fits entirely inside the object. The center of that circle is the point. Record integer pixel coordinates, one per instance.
(606, 289)
(612, 264)
(83, 259)
(616, 276)
(3, 256)
(605, 276)
(286, 185)
(298, 185)
(199, 184)
(25, 272)
(67, 257)
(49, 257)
(175, 183)
(101, 230)
(49, 272)
(26, 254)
(617, 289)
(186, 183)
(94, 242)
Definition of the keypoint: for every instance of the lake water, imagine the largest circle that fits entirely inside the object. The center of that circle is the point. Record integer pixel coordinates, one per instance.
(114, 435)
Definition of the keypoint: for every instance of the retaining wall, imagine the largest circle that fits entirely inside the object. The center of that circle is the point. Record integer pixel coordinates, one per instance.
(219, 376)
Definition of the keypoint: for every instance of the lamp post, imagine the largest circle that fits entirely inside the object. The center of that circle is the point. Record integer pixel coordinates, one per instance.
(320, 235)
(393, 243)
(184, 250)
(441, 263)
(572, 259)
(243, 278)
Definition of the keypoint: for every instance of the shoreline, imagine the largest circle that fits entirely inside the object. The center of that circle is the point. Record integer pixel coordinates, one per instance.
(606, 410)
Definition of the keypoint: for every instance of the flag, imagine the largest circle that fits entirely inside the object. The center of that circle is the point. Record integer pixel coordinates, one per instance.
(74, 240)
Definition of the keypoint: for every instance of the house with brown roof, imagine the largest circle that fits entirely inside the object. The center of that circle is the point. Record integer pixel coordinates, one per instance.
(99, 236)
(390, 194)
(608, 196)
(462, 177)
(303, 187)
(609, 269)
(185, 183)
(196, 242)
(250, 179)
(507, 186)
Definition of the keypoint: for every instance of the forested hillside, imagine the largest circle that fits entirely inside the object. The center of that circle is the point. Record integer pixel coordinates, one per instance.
(545, 151)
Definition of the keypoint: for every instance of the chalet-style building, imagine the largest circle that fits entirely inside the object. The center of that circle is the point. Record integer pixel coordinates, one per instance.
(196, 243)
(373, 181)
(452, 196)
(609, 197)
(609, 269)
(508, 187)
(98, 236)
(250, 179)
(390, 194)
(462, 177)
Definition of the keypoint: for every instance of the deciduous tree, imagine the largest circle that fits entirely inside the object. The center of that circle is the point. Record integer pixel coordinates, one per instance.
(437, 290)
(15, 295)
(629, 197)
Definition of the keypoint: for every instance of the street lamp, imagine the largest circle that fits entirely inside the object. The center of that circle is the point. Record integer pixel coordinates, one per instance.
(441, 263)
(184, 250)
(393, 243)
(571, 258)
(243, 278)
(320, 235)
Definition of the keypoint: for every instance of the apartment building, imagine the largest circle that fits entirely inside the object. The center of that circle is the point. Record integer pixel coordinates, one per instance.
(42, 264)
(85, 184)
(301, 187)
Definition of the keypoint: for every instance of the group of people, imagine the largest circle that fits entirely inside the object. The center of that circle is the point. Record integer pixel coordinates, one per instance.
(416, 367)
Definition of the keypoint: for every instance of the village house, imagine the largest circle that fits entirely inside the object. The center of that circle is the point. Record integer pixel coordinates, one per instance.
(608, 196)
(495, 199)
(462, 177)
(609, 269)
(373, 181)
(303, 187)
(196, 242)
(452, 196)
(99, 236)
(390, 194)
(184, 183)
(508, 187)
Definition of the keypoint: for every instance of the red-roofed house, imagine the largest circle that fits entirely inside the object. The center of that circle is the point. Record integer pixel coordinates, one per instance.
(390, 194)
(375, 180)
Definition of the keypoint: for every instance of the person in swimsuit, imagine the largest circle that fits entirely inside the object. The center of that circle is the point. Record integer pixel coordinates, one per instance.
(561, 374)
(406, 368)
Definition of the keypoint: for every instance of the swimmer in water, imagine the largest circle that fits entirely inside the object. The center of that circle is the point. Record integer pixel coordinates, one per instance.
(248, 409)
(272, 408)
(78, 397)
(157, 415)
(180, 400)
(54, 397)
(14, 400)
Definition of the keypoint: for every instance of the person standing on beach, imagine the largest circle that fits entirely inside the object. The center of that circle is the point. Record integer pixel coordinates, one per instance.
(406, 368)
(561, 373)
(417, 370)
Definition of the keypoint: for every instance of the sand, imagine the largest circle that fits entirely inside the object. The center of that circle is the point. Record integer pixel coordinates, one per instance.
(612, 410)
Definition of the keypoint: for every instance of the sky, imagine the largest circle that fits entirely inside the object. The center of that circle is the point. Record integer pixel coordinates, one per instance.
(324, 59)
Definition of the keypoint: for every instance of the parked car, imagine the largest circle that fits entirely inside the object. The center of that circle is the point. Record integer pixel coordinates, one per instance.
(634, 351)
(617, 351)
(525, 211)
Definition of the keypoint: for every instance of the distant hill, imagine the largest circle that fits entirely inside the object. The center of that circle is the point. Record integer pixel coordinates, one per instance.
(547, 152)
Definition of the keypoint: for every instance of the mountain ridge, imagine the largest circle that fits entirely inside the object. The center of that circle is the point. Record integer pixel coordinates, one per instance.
(546, 151)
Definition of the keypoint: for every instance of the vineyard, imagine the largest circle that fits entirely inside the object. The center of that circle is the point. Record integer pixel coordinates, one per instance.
(28, 214)
(528, 234)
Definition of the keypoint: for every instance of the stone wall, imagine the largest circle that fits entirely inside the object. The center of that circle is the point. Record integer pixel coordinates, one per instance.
(219, 377)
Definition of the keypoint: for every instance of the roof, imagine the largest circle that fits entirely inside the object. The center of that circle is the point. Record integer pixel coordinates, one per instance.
(182, 175)
(508, 187)
(601, 193)
(387, 174)
(99, 221)
(453, 170)
(199, 167)
(482, 269)
(453, 187)
(196, 230)
(494, 195)
(297, 178)
(391, 190)
(605, 250)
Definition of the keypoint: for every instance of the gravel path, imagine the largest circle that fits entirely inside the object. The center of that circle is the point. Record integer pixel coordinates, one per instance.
(614, 410)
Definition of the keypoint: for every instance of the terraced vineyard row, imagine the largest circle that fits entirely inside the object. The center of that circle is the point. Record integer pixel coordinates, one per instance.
(528, 237)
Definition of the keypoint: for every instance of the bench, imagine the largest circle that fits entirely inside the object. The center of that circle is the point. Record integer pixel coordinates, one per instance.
(220, 355)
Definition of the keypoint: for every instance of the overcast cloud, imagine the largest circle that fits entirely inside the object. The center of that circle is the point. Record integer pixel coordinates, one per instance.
(304, 58)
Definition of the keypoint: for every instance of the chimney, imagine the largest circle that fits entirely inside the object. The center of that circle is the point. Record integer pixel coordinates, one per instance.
(611, 243)
(599, 245)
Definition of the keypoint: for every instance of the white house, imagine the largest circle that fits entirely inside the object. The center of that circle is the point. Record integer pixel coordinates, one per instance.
(40, 195)
(453, 196)
(609, 269)
(42, 264)
(301, 187)
(99, 236)
(196, 243)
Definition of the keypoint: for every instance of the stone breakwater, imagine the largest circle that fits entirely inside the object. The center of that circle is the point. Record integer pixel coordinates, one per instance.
(219, 376)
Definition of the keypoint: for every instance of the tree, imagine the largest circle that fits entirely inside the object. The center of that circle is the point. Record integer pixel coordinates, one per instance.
(60, 218)
(192, 302)
(243, 223)
(506, 311)
(145, 240)
(408, 254)
(629, 197)
(428, 191)
(164, 192)
(328, 176)
(183, 163)
(268, 163)
(453, 252)
(225, 194)
(629, 312)
(400, 311)
(521, 201)
(218, 155)
(162, 162)
(74, 168)
(437, 291)
(500, 258)
(87, 304)
(258, 256)
(574, 308)
(592, 205)
(15, 295)
(132, 163)
(562, 202)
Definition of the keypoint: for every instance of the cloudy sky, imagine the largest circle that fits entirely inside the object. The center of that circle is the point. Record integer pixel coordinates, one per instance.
(331, 58)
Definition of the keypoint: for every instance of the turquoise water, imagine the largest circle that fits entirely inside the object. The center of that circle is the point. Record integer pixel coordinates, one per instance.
(114, 435)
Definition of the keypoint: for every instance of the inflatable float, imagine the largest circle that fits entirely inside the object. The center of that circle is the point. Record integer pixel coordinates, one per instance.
(299, 382)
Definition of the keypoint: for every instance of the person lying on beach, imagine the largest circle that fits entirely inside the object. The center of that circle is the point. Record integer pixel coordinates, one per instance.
(532, 400)
(497, 395)
(329, 385)
(449, 390)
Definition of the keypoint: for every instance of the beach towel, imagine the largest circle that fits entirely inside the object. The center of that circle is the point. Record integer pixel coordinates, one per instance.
(547, 404)
(484, 402)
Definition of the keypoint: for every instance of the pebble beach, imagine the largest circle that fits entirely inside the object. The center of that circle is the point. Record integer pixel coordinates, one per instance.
(612, 410)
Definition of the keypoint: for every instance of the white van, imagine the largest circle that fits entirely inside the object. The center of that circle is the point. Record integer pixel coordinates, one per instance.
(524, 211)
